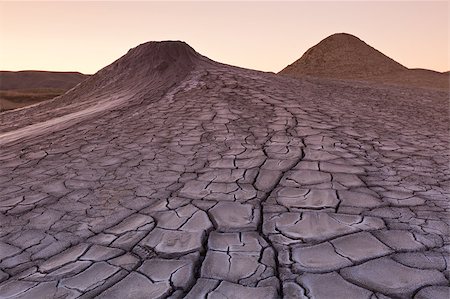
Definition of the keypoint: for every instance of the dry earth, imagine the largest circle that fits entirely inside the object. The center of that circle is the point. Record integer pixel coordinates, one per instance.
(167, 175)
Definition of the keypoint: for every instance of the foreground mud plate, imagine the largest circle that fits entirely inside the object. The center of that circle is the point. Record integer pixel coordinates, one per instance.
(168, 175)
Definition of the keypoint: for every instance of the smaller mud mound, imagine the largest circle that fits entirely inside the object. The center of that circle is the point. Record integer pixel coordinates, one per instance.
(343, 56)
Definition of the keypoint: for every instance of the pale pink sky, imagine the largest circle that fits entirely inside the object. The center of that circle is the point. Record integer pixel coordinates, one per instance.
(86, 36)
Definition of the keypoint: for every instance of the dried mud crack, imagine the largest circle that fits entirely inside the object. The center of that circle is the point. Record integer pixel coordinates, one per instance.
(202, 180)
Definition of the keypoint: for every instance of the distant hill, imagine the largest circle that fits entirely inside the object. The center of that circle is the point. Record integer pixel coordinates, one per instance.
(39, 79)
(344, 56)
(23, 88)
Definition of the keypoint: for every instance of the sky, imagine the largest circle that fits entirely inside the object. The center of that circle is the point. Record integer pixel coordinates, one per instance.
(263, 35)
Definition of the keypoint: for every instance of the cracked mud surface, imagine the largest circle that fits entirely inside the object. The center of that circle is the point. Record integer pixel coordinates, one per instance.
(231, 183)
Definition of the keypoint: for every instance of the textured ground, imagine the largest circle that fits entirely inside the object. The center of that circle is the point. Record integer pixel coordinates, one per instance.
(228, 183)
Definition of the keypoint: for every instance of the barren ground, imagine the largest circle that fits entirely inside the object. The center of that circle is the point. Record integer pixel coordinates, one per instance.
(230, 183)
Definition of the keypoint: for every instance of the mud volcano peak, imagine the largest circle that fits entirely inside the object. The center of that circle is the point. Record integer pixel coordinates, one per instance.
(154, 58)
(169, 49)
(160, 55)
(144, 68)
(340, 37)
(343, 56)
